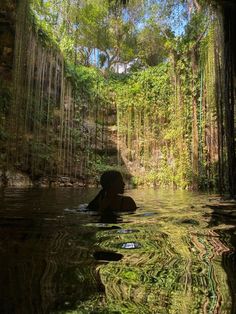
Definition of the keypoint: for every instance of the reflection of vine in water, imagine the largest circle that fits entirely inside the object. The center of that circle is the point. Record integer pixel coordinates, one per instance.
(172, 271)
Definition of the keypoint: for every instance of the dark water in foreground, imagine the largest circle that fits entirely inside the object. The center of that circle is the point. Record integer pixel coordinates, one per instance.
(172, 256)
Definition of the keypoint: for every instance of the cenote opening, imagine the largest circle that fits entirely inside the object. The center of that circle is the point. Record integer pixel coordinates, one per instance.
(143, 88)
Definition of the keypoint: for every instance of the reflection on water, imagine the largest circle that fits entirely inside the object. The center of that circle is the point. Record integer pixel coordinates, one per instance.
(127, 230)
(171, 256)
(130, 245)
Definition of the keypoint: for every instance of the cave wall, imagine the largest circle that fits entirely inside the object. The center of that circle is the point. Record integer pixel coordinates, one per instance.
(228, 11)
(7, 38)
(49, 134)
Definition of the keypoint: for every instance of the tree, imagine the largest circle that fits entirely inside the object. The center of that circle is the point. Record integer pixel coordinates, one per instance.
(151, 45)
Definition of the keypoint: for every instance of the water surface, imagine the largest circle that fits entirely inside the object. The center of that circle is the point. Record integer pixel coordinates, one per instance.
(173, 255)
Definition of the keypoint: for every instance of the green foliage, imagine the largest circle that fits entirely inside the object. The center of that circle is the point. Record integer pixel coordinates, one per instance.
(149, 95)
(151, 45)
(109, 29)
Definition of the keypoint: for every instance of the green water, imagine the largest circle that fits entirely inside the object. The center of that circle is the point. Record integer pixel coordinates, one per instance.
(173, 255)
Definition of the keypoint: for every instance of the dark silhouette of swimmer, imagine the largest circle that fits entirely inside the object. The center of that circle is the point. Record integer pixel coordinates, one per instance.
(110, 199)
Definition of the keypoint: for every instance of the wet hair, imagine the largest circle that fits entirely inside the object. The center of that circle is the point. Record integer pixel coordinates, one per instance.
(106, 180)
(108, 177)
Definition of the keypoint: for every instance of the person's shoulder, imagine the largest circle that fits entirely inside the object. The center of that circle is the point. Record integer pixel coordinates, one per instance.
(129, 203)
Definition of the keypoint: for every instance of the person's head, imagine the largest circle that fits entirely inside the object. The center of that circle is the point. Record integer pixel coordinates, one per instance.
(112, 181)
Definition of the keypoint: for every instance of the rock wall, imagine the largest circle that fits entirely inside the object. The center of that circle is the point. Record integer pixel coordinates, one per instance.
(7, 37)
(52, 133)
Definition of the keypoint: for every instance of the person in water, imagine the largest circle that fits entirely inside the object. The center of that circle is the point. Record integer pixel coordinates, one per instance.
(110, 198)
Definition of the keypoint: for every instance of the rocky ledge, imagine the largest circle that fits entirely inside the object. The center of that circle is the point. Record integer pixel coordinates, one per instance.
(11, 178)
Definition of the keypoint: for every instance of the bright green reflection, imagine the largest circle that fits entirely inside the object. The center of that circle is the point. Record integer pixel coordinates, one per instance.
(177, 266)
